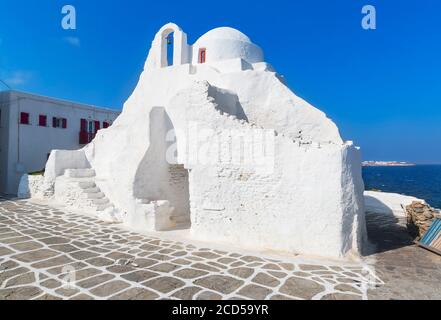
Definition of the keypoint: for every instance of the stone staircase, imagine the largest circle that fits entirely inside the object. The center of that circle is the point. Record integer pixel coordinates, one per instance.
(78, 189)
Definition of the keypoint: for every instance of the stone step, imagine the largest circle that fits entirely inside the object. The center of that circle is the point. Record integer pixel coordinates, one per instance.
(180, 219)
(143, 201)
(92, 190)
(102, 207)
(87, 184)
(182, 226)
(101, 201)
(93, 195)
(79, 173)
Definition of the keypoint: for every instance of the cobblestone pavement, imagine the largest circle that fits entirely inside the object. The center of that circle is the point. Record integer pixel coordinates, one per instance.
(49, 254)
(408, 271)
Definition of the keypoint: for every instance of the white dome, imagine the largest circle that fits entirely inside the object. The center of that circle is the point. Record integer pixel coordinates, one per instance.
(225, 33)
(226, 43)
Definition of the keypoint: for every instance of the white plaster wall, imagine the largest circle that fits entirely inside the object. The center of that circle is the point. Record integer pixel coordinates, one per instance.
(270, 103)
(4, 139)
(388, 203)
(224, 44)
(263, 97)
(294, 210)
(231, 65)
(277, 211)
(354, 230)
(220, 50)
(116, 154)
(60, 160)
(31, 186)
(263, 66)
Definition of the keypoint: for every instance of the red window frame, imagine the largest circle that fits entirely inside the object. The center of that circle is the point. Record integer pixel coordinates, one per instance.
(59, 122)
(202, 55)
(105, 124)
(42, 120)
(84, 135)
(83, 125)
(24, 118)
(97, 125)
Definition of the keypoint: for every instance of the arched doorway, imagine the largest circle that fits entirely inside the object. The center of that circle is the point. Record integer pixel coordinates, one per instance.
(160, 177)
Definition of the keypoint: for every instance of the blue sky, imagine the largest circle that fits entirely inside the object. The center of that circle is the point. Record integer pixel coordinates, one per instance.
(382, 87)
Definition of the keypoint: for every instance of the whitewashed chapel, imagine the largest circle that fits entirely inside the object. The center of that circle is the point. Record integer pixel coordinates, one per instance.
(213, 140)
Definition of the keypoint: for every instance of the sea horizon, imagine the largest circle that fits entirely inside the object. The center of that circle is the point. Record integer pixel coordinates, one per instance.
(421, 181)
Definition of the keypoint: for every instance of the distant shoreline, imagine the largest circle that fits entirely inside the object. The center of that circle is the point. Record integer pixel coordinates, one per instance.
(387, 164)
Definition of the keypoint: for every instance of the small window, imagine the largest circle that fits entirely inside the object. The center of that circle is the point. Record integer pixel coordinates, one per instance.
(59, 122)
(42, 120)
(24, 118)
(106, 124)
(202, 55)
(90, 126)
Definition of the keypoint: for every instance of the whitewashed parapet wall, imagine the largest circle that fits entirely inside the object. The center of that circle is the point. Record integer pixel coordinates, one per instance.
(309, 201)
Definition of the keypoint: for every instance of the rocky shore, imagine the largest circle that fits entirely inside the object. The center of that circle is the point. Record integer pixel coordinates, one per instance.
(420, 217)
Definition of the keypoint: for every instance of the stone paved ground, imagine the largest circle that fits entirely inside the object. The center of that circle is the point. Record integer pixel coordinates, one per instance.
(408, 271)
(43, 249)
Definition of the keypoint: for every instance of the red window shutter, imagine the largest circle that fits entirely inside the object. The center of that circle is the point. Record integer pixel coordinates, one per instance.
(24, 118)
(83, 125)
(97, 126)
(105, 124)
(84, 137)
(64, 123)
(202, 55)
(42, 120)
(54, 122)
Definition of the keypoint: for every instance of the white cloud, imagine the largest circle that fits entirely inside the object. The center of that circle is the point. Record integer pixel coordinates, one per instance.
(74, 41)
(15, 78)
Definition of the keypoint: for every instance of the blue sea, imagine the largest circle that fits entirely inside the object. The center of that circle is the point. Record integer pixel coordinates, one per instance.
(421, 181)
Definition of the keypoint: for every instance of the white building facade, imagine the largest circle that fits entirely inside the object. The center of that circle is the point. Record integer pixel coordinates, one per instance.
(306, 198)
(31, 126)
